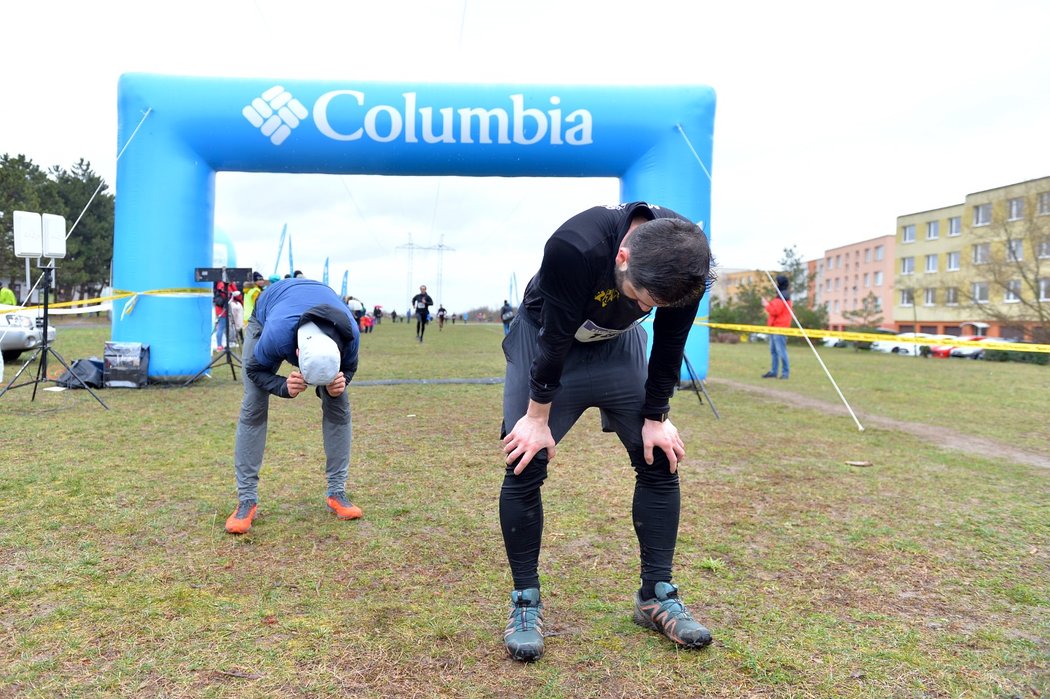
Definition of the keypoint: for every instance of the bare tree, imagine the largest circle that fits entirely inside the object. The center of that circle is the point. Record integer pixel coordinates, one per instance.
(809, 313)
(869, 315)
(908, 289)
(1008, 278)
(795, 269)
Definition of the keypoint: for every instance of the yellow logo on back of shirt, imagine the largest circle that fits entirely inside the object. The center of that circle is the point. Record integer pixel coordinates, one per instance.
(607, 296)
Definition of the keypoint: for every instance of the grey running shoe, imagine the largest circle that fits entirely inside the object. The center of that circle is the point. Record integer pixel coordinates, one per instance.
(666, 613)
(524, 633)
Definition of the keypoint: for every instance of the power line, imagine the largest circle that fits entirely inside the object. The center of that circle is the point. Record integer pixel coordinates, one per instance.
(440, 248)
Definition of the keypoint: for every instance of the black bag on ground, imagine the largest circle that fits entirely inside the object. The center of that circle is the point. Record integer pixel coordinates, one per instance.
(89, 371)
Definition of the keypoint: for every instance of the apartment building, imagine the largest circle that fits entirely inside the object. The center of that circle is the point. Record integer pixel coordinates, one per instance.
(846, 275)
(981, 267)
(731, 280)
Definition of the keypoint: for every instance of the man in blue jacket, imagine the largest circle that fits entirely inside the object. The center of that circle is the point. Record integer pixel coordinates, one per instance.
(305, 323)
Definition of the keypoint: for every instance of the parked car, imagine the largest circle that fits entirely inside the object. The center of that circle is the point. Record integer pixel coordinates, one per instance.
(947, 349)
(891, 344)
(976, 352)
(897, 345)
(19, 332)
(916, 349)
(832, 341)
(866, 344)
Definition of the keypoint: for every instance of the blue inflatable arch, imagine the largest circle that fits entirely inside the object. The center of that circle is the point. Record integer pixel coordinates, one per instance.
(656, 140)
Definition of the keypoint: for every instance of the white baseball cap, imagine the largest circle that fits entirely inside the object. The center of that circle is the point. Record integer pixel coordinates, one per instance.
(319, 356)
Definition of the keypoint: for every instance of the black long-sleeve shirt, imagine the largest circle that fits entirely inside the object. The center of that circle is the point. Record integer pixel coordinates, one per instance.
(574, 298)
(421, 303)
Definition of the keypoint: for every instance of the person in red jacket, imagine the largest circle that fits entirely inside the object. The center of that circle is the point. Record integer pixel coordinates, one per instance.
(778, 310)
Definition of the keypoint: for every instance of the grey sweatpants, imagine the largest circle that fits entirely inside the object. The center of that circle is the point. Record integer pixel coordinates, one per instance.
(248, 450)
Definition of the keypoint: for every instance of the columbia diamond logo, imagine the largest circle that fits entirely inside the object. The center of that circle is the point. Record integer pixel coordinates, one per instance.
(275, 114)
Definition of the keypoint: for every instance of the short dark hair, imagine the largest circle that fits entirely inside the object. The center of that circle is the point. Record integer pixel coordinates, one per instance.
(671, 259)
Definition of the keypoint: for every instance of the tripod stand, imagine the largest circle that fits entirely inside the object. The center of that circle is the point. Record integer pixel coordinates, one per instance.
(44, 349)
(227, 354)
(698, 386)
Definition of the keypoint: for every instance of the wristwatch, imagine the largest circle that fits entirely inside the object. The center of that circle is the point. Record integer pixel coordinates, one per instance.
(658, 417)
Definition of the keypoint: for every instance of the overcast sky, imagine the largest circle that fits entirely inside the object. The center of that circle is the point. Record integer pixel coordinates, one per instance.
(833, 118)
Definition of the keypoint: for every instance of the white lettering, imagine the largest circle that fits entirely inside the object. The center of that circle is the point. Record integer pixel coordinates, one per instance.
(555, 122)
(321, 114)
(520, 114)
(411, 123)
(483, 124)
(580, 135)
(395, 123)
(447, 133)
(410, 117)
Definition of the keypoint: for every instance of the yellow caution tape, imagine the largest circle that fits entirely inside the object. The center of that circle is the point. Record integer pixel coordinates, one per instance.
(120, 294)
(876, 337)
(790, 332)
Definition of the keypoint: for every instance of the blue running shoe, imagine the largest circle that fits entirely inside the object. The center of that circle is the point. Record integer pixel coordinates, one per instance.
(666, 613)
(524, 634)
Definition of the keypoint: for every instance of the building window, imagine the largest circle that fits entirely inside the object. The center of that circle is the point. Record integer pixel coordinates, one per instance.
(1015, 250)
(878, 303)
(838, 282)
(867, 255)
(982, 215)
(1043, 249)
(1013, 291)
(828, 288)
(982, 253)
(979, 292)
(907, 265)
(1015, 207)
(831, 264)
(955, 226)
(953, 261)
(908, 233)
(929, 297)
(838, 261)
(907, 297)
(878, 253)
(1044, 289)
(931, 263)
(836, 306)
(1044, 203)
(951, 296)
(878, 278)
(867, 280)
(933, 230)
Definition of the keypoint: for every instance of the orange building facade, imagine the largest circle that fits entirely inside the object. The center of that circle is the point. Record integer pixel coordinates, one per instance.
(846, 275)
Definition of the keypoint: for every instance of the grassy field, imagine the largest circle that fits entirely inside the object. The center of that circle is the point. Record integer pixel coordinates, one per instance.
(1008, 402)
(924, 575)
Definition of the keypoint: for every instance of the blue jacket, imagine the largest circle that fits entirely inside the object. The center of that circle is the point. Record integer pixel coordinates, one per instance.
(281, 309)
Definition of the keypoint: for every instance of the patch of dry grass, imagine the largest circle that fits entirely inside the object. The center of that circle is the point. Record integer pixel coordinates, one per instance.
(927, 574)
